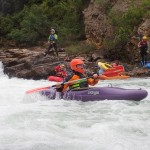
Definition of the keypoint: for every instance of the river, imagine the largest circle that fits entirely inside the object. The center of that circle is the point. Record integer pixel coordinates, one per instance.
(31, 122)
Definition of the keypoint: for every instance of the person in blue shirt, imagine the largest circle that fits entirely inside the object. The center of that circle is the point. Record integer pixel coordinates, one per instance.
(52, 40)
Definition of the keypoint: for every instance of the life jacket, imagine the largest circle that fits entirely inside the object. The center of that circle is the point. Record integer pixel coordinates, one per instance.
(53, 37)
(143, 46)
(78, 84)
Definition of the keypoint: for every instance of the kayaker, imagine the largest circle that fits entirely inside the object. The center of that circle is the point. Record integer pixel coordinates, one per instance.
(143, 46)
(78, 72)
(103, 67)
(60, 71)
(52, 40)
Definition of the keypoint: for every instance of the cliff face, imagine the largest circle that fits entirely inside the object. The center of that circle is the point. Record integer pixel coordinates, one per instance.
(96, 24)
(97, 20)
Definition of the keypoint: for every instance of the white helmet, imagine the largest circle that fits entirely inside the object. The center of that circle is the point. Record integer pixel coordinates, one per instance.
(52, 31)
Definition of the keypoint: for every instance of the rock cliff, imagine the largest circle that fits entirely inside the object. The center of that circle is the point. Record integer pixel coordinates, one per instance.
(31, 64)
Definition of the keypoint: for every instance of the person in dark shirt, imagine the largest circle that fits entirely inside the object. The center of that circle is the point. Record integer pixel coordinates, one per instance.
(143, 46)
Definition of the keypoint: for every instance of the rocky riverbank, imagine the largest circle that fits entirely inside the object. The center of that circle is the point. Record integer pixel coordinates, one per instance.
(30, 63)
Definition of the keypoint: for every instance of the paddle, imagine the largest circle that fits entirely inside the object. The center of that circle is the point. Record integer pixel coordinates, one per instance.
(100, 77)
(47, 87)
(37, 89)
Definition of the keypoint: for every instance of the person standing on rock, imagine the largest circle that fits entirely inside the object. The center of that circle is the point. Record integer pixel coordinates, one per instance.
(52, 40)
(143, 46)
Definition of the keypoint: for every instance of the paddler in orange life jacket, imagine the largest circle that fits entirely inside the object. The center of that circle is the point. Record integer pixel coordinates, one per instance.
(60, 71)
(52, 40)
(78, 72)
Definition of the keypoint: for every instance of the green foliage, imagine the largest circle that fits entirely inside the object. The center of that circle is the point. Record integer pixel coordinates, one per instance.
(33, 26)
(31, 20)
(38, 16)
(78, 48)
(68, 23)
(105, 4)
(22, 36)
(35, 20)
(109, 43)
(124, 23)
(6, 25)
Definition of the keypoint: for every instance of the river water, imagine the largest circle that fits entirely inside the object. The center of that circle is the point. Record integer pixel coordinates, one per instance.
(31, 122)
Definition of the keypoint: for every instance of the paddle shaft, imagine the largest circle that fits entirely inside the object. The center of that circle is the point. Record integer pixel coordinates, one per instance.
(47, 87)
(73, 81)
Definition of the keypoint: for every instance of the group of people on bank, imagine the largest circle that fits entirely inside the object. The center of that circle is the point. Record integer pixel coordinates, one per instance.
(142, 45)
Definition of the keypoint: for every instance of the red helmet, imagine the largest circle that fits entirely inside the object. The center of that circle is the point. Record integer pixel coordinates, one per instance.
(74, 63)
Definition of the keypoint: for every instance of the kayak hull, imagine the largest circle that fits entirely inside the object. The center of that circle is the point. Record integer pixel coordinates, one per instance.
(98, 94)
(103, 77)
(114, 71)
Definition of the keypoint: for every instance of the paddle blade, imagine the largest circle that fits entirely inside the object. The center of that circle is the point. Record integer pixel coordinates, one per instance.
(37, 90)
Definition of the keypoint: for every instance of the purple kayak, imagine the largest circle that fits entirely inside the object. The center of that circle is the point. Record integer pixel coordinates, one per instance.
(98, 94)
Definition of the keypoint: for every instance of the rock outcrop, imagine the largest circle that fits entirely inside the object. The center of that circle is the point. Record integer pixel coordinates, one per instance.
(28, 64)
(31, 63)
(98, 27)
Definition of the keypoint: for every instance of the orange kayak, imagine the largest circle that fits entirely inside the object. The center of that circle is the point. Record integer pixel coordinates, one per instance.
(114, 71)
(103, 77)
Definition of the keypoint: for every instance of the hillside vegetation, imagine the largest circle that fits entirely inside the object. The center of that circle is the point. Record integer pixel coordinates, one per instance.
(29, 21)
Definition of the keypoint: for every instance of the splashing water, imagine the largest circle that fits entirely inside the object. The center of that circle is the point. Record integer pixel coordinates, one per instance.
(35, 123)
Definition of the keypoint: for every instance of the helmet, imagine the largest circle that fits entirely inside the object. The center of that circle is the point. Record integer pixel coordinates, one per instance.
(52, 31)
(100, 64)
(144, 38)
(74, 63)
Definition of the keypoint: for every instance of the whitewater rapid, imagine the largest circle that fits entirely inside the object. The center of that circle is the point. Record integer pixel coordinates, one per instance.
(30, 122)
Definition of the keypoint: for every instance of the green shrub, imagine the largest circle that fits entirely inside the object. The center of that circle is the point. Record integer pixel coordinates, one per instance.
(80, 48)
(6, 25)
(124, 23)
(21, 36)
